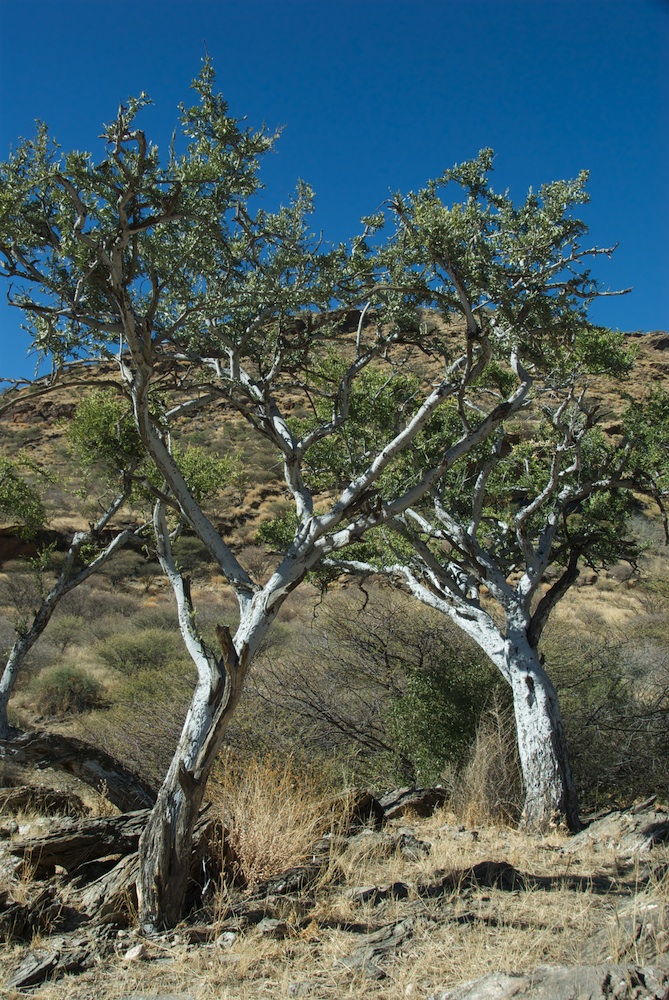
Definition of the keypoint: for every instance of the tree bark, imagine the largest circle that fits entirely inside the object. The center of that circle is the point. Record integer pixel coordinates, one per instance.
(550, 793)
(166, 843)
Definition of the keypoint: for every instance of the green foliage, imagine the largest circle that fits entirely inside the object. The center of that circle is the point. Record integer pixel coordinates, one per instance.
(131, 652)
(103, 433)
(646, 424)
(190, 553)
(20, 500)
(599, 351)
(434, 723)
(66, 630)
(64, 690)
(205, 474)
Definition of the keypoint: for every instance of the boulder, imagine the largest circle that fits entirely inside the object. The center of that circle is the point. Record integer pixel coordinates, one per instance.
(581, 982)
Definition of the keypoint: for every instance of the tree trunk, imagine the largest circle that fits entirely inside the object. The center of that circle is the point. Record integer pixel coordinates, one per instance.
(20, 650)
(550, 793)
(166, 843)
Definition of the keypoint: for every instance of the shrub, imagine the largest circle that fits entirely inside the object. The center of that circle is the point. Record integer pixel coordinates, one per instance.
(129, 565)
(434, 723)
(190, 553)
(273, 813)
(614, 692)
(385, 687)
(65, 630)
(489, 787)
(64, 689)
(151, 648)
(146, 748)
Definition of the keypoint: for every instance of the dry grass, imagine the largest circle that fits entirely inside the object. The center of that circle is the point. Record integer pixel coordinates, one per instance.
(489, 787)
(272, 813)
(460, 936)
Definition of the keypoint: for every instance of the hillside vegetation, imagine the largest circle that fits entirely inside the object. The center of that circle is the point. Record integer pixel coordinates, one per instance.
(113, 647)
(356, 686)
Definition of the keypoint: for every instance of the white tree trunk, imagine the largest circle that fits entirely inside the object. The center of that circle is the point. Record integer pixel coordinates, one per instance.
(165, 844)
(550, 794)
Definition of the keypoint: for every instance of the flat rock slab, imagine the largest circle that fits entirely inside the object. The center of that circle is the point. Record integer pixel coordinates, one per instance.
(581, 982)
(420, 801)
(627, 832)
(157, 996)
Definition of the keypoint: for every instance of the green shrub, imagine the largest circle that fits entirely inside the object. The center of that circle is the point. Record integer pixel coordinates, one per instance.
(190, 553)
(433, 724)
(130, 652)
(65, 630)
(129, 565)
(64, 689)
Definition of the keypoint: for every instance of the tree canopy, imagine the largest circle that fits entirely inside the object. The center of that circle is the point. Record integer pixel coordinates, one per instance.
(386, 373)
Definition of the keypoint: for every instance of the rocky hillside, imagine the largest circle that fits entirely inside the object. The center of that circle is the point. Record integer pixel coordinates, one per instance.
(327, 891)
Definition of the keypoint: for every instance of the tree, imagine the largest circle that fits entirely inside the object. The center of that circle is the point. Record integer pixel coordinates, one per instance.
(97, 430)
(502, 537)
(204, 299)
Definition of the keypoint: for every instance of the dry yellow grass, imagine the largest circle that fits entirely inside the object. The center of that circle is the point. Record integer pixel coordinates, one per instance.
(458, 933)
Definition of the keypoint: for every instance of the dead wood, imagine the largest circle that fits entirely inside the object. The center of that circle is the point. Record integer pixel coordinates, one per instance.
(47, 801)
(94, 767)
(72, 844)
(112, 898)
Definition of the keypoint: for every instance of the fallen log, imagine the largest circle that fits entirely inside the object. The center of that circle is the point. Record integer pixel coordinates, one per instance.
(72, 844)
(94, 767)
(47, 801)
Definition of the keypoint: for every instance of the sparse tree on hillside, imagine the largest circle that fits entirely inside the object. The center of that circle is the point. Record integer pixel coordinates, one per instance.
(499, 539)
(89, 550)
(206, 300)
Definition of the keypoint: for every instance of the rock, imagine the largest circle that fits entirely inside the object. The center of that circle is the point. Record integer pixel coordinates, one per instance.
(375, 894)
(627, 832)
(410, 847)
(137, 953)
(421, 801)
(35, 967)
(289, 881)
(547, 982)
(65, 955)
(637, 931)
(226, 939)
(71, 844)
(380, 942)
(271, 927)
(90, 764)
(362, 808)
(47, 801)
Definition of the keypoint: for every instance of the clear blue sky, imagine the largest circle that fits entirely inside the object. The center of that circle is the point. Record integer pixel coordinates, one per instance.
(379, 95)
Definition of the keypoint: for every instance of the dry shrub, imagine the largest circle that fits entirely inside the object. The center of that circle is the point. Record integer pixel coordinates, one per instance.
(488, 789)
(272, 812)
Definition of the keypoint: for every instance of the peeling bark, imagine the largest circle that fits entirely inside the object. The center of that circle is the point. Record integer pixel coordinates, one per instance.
(550, 793)
(166, 842)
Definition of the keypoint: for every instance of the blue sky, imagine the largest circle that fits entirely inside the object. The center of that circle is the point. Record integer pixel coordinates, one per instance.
(379, 96)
